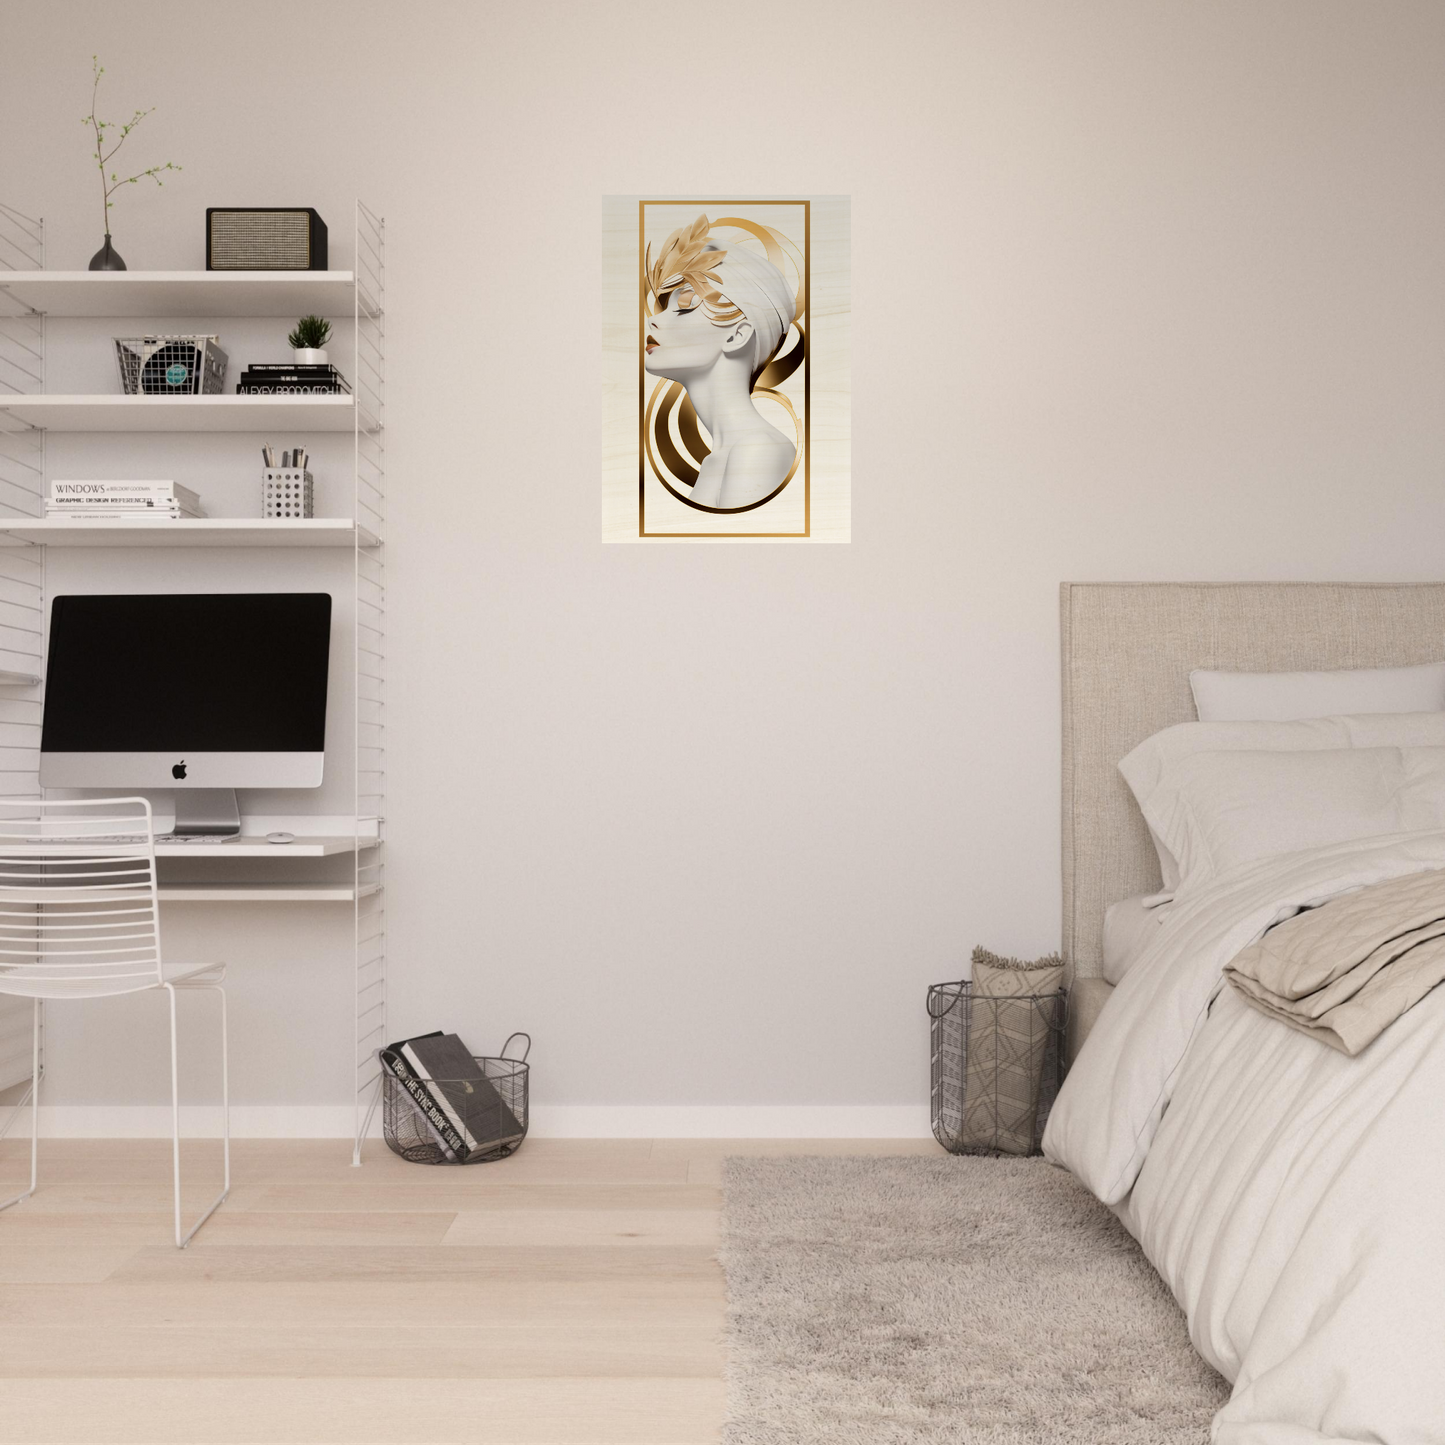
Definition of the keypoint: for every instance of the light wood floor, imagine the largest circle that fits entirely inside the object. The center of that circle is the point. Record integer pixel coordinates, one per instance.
(566, 1296)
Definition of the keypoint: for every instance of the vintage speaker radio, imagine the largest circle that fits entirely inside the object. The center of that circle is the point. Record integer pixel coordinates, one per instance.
(265, 238)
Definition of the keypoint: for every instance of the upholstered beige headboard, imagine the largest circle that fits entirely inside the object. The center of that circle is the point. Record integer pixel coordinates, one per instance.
(1128, 648)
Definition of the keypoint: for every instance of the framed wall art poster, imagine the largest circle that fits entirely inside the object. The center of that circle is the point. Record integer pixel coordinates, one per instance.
(725, 374)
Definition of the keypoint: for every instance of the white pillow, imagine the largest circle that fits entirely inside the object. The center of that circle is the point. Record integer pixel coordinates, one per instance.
(1130, 926)
(1283, 696)
(1145, 768)
(1217, 811)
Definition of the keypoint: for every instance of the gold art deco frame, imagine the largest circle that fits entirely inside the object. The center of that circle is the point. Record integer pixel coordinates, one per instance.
(718, 210)
(822, 469)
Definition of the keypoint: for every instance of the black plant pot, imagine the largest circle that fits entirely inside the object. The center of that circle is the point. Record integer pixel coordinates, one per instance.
(107, 258)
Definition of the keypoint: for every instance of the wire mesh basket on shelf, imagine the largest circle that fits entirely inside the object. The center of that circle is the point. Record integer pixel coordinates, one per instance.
(170, 365)
(410, 1133)
(997, 1064)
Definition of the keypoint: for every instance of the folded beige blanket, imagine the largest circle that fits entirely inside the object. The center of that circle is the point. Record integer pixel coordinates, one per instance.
(1008, 1038)
(1344, 972)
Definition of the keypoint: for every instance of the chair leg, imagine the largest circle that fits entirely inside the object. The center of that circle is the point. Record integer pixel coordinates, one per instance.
(34, 1093)
(183, 1240)
(365, 1128)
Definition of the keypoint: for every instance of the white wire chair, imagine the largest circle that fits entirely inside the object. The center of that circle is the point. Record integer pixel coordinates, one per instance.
(79, 918)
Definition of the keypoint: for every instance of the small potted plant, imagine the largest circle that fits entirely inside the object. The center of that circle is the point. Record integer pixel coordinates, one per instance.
(309, 339)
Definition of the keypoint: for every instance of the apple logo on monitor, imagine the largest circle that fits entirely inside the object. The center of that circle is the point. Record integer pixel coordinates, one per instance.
(179, 771)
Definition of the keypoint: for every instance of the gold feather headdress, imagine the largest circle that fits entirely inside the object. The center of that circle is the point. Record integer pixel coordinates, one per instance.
(688, 258)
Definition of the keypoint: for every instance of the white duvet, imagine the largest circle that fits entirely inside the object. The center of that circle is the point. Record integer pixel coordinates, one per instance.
(1292, 1197)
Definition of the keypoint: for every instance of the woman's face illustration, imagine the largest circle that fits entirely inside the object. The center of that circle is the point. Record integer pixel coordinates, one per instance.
(681, 340)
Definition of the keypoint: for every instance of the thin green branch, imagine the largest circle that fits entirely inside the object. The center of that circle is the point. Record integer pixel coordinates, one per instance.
(110, 183)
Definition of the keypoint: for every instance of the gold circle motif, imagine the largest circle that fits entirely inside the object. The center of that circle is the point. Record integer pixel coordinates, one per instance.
(682, 466)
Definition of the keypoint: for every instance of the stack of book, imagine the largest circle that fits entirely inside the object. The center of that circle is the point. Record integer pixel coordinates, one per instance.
(153, 500)
(287, 379)
(458, 1104)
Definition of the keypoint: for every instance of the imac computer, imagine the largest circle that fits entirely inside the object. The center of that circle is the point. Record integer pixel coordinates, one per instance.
(199, 693)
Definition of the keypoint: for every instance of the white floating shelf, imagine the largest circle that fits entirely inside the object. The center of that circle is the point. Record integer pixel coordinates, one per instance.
(183, 413)
(251, 847)
(259, 892)
(186, 532)
(286, 294)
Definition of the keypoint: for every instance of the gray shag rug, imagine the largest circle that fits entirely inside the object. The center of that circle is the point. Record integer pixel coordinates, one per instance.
(973, 1301)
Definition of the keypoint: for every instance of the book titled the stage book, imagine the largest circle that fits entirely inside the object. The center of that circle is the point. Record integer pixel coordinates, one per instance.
(460, 1104)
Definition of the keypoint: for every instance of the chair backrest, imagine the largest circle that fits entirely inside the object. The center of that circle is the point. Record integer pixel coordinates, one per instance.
(78, 904)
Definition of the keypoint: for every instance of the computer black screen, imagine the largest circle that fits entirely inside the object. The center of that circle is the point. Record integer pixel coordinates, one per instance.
(187, 672)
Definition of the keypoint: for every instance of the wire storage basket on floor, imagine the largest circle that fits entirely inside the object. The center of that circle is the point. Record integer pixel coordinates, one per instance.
(997, 1064)
(410, 1133)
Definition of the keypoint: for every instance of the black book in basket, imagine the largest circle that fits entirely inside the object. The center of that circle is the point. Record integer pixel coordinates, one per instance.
(456, 1081)
(442, 1105)
(425, 1107)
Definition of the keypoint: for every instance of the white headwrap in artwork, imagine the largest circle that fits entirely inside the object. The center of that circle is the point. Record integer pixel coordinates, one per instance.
(757, 288)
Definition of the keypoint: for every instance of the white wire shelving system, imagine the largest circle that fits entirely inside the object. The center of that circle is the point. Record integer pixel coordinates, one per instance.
(27, 410)
(369, 378)
(22, 582)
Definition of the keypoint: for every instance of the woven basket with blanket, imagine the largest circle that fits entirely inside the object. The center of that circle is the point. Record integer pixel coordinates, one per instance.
(997, 1054)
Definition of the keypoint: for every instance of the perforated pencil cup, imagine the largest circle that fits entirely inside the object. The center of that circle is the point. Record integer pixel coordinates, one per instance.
(286, 492)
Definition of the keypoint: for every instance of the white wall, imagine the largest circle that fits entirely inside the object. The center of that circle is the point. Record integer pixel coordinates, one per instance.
(1141, 290)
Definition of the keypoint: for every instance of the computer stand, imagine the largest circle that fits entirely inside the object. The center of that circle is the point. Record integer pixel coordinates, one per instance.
(207, 813)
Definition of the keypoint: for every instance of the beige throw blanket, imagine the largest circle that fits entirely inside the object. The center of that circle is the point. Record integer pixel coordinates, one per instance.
(1008, 1036)
(1346, 971)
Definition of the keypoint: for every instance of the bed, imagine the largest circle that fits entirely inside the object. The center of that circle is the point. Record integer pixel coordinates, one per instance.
(1292, 1198)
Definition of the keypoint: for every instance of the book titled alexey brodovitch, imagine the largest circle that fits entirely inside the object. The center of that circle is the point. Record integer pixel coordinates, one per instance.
(288, 379)
(461, 1106)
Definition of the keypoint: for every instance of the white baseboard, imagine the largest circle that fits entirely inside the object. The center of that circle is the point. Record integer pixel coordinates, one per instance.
(198, 1121)
(731, 1121)
(549, 1121)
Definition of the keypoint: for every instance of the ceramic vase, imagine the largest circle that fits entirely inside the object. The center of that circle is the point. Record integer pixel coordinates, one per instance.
(107, 258)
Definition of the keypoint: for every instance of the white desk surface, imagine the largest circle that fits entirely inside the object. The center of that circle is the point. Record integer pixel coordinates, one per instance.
(263, 892)
(247, 846)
